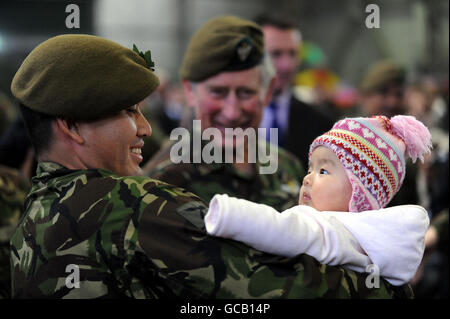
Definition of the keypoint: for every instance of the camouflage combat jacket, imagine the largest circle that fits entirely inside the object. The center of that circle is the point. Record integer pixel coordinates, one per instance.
(13, 190)
(141, 238)
(279, 190)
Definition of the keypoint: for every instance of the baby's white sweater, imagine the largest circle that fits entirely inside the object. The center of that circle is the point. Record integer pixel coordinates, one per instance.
(390, 238)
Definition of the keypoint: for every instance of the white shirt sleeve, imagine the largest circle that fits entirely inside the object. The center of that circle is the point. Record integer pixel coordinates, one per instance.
(354, 240)
(298, 230)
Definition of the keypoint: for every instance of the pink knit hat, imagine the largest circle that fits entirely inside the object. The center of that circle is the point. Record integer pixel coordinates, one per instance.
(372, 151)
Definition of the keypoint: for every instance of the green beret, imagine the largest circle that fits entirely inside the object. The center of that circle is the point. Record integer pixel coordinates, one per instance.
(226, 43)
(380, 75)
(82, 77)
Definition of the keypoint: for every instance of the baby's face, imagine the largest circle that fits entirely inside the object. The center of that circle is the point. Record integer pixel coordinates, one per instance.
(326, 187)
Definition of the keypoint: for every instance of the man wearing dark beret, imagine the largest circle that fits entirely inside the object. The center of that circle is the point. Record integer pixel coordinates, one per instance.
(227, 80)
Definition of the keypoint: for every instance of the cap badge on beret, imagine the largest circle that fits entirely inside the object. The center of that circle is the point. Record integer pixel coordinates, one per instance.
(243, 48)
(147, 56)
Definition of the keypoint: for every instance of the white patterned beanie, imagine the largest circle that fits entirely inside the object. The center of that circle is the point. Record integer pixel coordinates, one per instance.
(372, 151)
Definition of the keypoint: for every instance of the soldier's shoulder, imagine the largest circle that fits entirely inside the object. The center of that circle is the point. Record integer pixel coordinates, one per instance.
(159, 159)
(287, 158)
(288, 164)
(163, 167)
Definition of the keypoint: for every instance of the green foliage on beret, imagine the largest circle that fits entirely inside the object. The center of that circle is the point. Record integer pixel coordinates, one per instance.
(82, 77)
(225, 43)
(147, 56)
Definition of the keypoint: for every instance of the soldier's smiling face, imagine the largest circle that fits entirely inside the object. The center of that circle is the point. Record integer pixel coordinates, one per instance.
(228, 100)
(115, 143)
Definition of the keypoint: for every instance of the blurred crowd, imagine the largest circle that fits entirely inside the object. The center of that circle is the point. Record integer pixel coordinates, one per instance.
(386, 89)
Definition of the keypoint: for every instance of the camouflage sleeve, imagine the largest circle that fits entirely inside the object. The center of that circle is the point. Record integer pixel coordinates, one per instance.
(170, 238)
(13, 190)
(292, 165)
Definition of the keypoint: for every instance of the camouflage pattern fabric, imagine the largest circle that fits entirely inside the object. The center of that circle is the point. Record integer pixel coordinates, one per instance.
(279, 190)
(141, 238)
(13, 190)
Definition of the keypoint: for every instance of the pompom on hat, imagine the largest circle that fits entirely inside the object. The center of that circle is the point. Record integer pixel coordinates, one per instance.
(372, 151)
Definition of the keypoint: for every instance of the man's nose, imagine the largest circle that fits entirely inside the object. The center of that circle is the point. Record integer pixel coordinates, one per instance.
(232, 110)
(143, 126)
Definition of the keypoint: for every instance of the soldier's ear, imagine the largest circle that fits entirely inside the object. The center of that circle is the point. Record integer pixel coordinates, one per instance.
(189, 93)
(69, 129)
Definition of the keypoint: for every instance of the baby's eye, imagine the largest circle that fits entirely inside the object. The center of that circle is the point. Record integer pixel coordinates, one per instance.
(323, 171)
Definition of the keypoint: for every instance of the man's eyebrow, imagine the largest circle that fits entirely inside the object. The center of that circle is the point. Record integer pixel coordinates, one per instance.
(217, 86)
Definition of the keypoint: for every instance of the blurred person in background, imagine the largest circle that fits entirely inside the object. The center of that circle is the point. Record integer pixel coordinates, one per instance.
(7, 113)
(164, 110)
(381, 92)
(13, 190)
(16, 150)
(438, 92)
(382, 89)
(425, 100)
(166, 105)
(298, 122)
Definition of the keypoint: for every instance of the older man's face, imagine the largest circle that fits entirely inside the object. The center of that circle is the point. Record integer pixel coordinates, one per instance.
(228, 100)
(115, 143)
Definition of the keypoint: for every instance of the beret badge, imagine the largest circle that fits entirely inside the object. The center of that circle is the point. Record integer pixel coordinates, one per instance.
(147, 56)
(243, 48)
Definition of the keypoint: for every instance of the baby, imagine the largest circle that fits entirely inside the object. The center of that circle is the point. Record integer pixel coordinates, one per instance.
(355, 169)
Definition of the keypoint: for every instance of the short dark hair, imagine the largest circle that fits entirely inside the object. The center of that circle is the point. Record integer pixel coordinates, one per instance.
(278, 21)
(39, 128)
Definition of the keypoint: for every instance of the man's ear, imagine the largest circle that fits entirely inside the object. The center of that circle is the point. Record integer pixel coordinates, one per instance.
(189, 93)
(269, 91)
(70, 130)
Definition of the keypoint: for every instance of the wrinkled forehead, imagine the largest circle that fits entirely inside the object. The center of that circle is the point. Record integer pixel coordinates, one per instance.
(247, 78)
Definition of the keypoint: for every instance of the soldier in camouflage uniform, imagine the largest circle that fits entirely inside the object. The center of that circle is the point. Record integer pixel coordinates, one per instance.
(13, 190)
(228, 81)
(91, 229)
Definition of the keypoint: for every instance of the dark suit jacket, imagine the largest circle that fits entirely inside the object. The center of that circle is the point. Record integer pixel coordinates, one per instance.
(306, 122)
